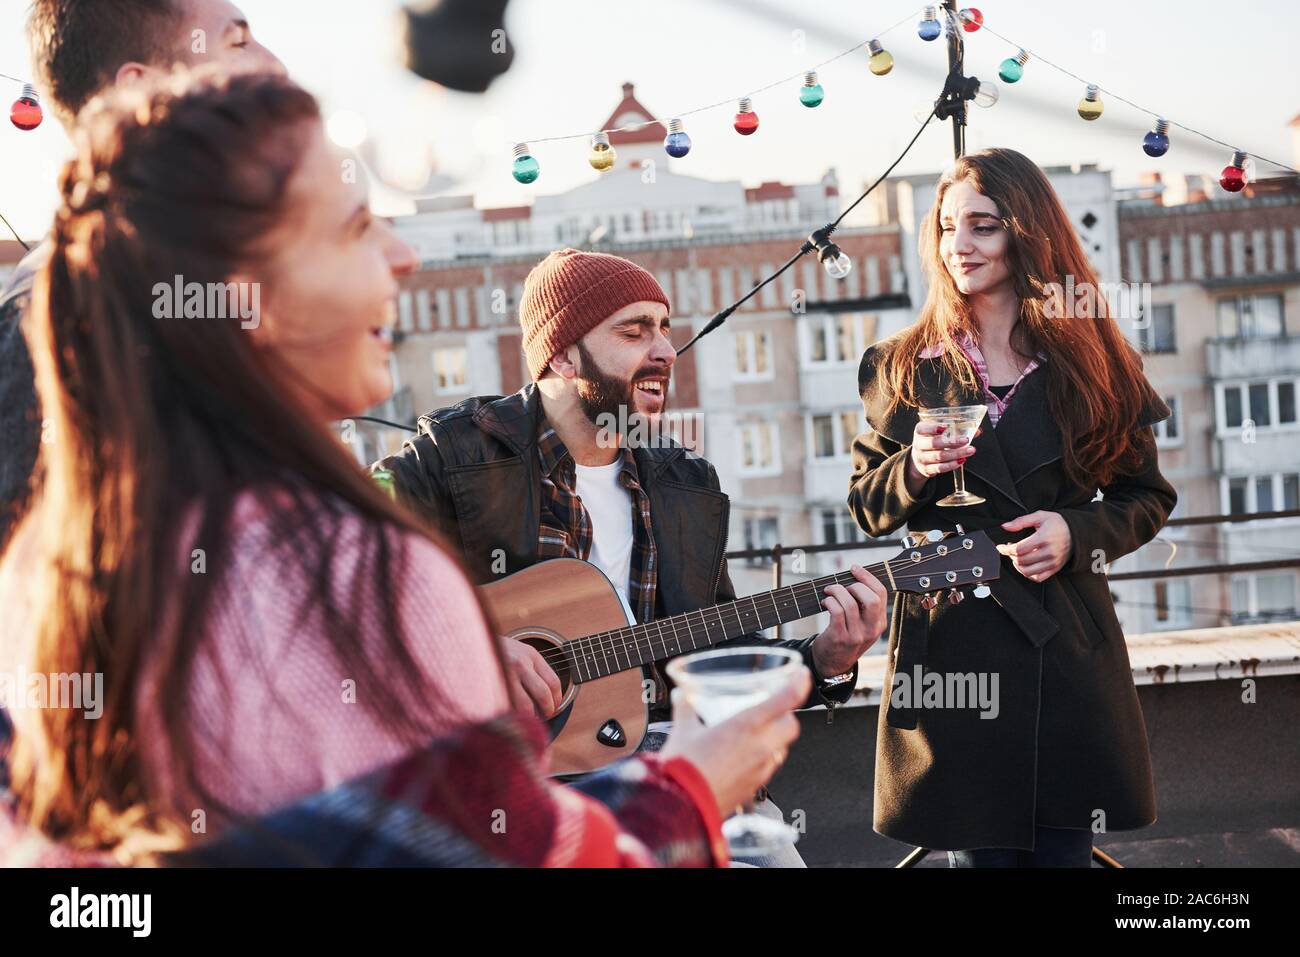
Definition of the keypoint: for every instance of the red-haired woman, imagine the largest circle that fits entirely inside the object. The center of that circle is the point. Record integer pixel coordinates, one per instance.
(268, 625)
(1058, 752)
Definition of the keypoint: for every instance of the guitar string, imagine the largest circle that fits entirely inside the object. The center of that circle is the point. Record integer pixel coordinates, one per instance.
(603, 642)
(627, 639)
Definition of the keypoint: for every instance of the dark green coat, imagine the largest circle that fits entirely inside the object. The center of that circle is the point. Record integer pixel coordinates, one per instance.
(1068, 744)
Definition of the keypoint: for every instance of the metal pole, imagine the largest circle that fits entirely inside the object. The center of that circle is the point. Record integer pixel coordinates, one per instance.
(956, 54)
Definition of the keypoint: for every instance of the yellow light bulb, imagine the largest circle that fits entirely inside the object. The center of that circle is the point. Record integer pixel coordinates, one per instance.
(1090, 106)
(602, 155)
(881, 61)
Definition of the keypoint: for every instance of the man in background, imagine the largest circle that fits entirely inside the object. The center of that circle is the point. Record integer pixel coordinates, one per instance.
(80, 48)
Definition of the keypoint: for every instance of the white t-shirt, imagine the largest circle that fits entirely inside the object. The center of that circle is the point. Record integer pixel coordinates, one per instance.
(609, 506)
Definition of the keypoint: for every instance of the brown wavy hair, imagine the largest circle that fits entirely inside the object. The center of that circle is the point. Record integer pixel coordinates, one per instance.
(1095, 385)
(156, 424)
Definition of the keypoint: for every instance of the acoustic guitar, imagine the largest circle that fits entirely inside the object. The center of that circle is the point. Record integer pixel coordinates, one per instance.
(568, 610)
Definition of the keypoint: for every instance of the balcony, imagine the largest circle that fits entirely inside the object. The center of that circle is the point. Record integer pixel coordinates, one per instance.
(1252, 358)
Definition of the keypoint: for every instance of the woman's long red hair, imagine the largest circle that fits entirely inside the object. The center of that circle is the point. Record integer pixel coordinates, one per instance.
(1095, 384)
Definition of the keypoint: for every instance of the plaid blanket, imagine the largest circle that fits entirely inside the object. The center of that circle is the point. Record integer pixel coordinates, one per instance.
(476, 798)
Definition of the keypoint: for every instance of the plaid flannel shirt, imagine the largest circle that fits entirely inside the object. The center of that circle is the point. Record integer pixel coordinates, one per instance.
(565, 526)
(996, 405)
(438, 807)
(565, 530)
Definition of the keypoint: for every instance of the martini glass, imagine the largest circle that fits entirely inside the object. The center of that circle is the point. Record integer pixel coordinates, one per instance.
(720, 684)
(962, 421)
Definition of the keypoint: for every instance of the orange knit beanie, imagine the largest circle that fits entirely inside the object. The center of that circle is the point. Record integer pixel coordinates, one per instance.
(571, 292)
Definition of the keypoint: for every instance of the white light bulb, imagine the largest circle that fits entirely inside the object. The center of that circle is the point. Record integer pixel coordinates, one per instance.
(837, 267)
(987, 94)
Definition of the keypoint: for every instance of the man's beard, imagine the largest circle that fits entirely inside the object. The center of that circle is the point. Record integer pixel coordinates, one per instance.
(602, 396)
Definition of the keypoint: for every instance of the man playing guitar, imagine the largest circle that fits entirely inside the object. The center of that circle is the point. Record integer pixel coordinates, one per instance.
(540, 474)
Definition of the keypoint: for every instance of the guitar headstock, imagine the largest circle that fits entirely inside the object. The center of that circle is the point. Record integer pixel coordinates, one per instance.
(935, 561)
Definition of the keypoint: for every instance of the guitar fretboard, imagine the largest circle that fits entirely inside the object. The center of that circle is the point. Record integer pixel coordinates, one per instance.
(609, 652)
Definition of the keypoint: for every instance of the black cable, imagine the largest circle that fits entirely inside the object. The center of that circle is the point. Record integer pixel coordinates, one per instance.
(16, 236)
(819, 237)
(391, 425)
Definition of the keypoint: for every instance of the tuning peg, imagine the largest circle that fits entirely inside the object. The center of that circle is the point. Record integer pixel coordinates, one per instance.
(960, 530)
(929, 601)
(982, 591)
(934, 535)
(956, 596)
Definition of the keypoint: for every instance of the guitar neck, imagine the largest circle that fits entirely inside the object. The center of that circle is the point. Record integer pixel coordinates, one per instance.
(609, 652)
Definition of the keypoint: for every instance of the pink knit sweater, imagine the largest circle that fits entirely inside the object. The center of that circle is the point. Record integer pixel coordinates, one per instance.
(276, 716)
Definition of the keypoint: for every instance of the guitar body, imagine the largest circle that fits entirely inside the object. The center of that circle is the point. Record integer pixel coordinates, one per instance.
(555, 602)
(569, 611)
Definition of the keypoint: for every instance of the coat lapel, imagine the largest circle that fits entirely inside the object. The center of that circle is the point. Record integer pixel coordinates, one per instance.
(989, 463)
(1028, 437)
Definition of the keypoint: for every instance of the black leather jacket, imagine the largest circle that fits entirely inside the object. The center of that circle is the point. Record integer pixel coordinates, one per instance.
(474, 472)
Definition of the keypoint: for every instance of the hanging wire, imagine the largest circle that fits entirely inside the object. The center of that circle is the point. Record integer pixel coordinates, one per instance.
(1115, 96)
(663, 120)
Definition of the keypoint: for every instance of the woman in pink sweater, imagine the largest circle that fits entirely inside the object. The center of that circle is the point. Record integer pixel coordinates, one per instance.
(267, 623)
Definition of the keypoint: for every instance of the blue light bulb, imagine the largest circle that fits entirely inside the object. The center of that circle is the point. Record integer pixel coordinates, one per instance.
(929, 28)
(677, 144)
(1156, 143)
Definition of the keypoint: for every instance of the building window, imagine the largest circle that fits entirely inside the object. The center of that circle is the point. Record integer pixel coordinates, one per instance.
(759, 447)
(833, 434)
(1158, 334)
(1264, 596)
(1173, 603)
(1256, 494)
(753, 355)
(761, 533)
(839, 339)
(838, 526)
(1251, 317)
(1237, 489)
(1170, 431)
(1265, 405)
(1290, 492)
(449, 370)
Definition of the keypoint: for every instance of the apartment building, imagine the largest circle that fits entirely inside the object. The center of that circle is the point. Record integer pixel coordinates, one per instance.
(1223, 346)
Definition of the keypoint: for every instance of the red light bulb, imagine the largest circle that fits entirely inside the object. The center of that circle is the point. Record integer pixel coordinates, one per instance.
(26, 113)
(971, 19)
(746, 119)
(1233, 178)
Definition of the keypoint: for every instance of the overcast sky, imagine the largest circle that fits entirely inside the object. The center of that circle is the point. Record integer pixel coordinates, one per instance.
(1232, 75)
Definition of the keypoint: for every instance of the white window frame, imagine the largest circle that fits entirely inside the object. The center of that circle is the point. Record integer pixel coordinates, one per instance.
(1225, 431)
(1276, 481)
(1146, 333)
(1253, 298)
(759, 471)
(1163, 441)
(750, 338)
(828, 322)
(750, 544)
(842, 453)
(438, 387)
(841, 515)
(1252, 591)
(1180, 614)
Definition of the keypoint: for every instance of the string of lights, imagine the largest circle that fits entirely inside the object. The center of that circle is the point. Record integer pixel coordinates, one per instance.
(602, 156)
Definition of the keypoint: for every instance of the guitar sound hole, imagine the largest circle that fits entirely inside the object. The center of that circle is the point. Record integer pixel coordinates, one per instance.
(555, 657)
